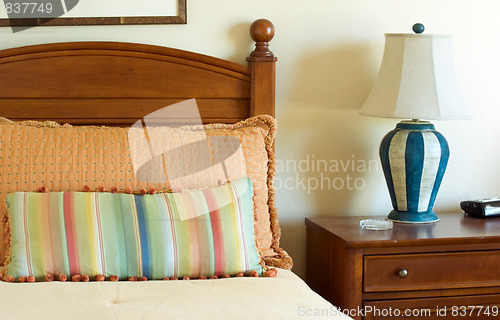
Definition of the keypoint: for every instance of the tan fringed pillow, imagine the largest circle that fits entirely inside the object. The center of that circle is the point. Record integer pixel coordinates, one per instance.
(66, 158)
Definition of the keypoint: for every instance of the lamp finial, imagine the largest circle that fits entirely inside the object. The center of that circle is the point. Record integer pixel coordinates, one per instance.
(418, 28)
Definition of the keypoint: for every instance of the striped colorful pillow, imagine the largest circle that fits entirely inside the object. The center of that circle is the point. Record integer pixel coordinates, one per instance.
(198, 233)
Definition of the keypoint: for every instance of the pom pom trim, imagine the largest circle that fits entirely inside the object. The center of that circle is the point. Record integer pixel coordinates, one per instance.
(268, 272)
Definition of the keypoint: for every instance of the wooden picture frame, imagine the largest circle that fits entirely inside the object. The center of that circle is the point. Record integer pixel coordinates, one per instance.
(180, 18)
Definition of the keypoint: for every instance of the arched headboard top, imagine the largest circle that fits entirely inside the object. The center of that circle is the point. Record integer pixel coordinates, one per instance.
(114, 83)
(126, 49)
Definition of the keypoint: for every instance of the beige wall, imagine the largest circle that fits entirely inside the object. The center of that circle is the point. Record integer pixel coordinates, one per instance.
(329, 52)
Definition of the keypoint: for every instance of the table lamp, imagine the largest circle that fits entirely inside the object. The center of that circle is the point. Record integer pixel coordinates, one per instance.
(416, 81)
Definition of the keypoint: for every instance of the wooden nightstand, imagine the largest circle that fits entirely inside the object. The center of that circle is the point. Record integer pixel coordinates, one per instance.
(439, 267)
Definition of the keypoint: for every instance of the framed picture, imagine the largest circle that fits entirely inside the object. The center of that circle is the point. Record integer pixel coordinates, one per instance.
(30, 13)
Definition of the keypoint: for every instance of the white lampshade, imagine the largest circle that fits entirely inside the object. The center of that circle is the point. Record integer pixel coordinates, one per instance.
(416, 80)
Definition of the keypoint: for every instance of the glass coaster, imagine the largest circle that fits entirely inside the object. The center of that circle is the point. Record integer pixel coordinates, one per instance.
(375, 224)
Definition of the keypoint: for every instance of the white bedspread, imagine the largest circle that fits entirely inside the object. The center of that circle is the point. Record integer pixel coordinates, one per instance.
(283, 297)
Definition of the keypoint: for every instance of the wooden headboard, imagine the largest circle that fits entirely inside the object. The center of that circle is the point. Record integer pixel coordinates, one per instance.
(111, 83)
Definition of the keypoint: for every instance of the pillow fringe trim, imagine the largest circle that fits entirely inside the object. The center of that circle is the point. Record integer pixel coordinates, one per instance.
(7, 234)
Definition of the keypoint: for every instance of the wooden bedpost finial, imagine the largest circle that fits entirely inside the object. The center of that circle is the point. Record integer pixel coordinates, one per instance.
(262, 32)
(262, 64)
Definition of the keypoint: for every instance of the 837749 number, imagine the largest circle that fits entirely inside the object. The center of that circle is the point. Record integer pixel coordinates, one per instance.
(471, 311)
(26, 8)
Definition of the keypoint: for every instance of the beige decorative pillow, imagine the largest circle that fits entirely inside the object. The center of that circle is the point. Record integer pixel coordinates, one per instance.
(66, 158)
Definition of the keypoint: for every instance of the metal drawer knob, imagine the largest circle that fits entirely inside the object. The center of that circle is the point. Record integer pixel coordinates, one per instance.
(403, 273)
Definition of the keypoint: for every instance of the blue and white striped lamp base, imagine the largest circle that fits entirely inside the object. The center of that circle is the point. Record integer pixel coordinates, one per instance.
(414, 157)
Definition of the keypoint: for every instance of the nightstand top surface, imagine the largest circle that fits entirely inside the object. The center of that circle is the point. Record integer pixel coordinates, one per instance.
(451, 228)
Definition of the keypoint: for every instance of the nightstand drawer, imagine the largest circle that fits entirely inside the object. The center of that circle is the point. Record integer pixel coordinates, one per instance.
(429, 271)
(463, 307)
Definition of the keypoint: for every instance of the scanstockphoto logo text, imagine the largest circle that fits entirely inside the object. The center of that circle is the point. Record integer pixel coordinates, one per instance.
(312, 173)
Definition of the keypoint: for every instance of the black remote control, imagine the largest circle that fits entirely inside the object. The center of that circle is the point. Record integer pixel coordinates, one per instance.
(482, 208)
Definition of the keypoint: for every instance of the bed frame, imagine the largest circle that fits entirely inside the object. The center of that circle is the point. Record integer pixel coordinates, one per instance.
(111, 83)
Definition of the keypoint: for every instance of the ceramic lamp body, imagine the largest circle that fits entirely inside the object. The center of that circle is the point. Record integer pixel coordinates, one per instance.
(414, 157)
